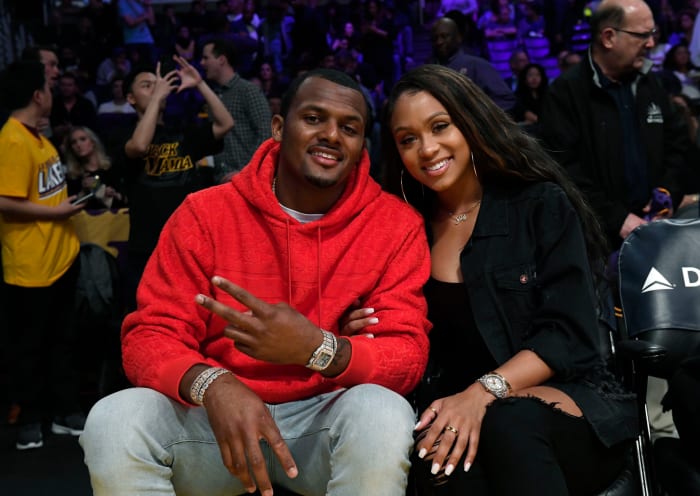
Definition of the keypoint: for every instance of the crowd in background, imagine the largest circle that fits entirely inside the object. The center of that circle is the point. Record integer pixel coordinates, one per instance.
(97, 45)
(374, 41)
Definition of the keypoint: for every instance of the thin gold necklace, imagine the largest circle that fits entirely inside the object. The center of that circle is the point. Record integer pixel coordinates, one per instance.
(274, 186)
(462, 216)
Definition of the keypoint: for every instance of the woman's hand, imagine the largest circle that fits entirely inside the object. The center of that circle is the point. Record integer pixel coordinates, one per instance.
(454, 423)
(356, 319)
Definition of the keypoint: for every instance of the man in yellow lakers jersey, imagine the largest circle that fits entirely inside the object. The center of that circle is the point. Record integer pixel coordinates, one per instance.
(40, 261)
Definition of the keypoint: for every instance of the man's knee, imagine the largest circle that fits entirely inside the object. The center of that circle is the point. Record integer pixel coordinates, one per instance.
(377, 417)
(377, 405)
(115, 417)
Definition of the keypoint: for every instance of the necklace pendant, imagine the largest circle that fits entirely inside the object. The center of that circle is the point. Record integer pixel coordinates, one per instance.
(460, 218)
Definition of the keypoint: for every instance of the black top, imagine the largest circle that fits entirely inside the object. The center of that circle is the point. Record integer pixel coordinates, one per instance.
(109, 178)
(457, 350)
(160, 180)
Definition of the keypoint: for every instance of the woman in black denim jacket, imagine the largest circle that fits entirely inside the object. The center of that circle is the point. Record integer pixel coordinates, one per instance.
(518, 399)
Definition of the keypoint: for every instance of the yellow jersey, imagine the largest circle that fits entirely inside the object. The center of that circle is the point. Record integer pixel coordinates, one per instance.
(35, 253)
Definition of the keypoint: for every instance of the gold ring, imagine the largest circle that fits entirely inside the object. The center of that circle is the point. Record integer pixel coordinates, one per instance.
(451, 429)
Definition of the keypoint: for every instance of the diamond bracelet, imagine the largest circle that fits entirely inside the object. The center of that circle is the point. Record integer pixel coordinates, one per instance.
(203, 381)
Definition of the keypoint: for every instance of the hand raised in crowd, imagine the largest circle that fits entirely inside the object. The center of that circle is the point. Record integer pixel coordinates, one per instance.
(164, 85)
(188, 74)
(454, 422)
(239, 420)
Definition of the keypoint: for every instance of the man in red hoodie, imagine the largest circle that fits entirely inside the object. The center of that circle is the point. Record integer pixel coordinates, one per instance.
(291, 397)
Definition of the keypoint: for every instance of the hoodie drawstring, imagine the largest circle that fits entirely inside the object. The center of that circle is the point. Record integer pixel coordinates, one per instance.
(318, 270)
(289, 264)
(318, 276)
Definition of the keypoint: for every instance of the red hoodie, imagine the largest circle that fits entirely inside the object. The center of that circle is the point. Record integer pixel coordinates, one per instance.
(370, 246)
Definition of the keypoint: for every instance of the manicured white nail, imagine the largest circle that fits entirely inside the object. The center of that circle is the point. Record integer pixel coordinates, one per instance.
(435, 468)
(449, 469)
(416, 426)
(422, 453)
(369, 311)
(467, 466)
(373, 320)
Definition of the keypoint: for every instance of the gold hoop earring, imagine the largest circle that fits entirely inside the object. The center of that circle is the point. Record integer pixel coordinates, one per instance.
(403, 192)
(474, 165)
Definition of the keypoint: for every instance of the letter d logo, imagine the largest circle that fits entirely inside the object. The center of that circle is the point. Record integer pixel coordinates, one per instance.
(691, 273)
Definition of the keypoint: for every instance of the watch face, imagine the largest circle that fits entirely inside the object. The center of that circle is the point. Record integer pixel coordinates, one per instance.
(494, 382)
(323, 360)
(495, 385)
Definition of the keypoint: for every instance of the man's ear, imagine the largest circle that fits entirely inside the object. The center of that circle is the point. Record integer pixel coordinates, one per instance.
(130, 98)
(37, 96)
(607, 36)
(277, 125)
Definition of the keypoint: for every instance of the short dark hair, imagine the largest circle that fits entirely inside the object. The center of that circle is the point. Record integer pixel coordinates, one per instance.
(131, 77)
(333, 76)
(18, 82)
(33, 53)
(223, 47)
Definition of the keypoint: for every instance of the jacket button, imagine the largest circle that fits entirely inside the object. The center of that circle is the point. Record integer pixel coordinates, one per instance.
(523, 279)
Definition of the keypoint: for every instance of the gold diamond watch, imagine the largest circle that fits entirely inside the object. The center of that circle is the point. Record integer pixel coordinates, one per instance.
(324, 354)
(495, 384)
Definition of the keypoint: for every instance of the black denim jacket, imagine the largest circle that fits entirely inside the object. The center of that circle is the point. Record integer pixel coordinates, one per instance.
(530, 287)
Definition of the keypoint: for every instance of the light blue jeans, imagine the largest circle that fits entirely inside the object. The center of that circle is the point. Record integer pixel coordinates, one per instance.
(345, 443)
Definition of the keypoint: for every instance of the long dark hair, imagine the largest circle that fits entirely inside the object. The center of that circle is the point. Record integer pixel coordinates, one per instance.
(670, 62)
(503, 153)
(523, 90)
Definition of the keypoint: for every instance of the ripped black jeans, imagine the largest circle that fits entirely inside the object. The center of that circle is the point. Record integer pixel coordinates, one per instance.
(529, 447)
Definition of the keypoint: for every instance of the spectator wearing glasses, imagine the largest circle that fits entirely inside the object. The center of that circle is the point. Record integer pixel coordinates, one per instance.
(609, 122)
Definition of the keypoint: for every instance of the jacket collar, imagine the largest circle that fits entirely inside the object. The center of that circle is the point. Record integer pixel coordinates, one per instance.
(599, 78)
(493, 213)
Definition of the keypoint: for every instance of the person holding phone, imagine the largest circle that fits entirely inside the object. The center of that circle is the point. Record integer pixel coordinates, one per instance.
(40, 261)
(90, 172)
